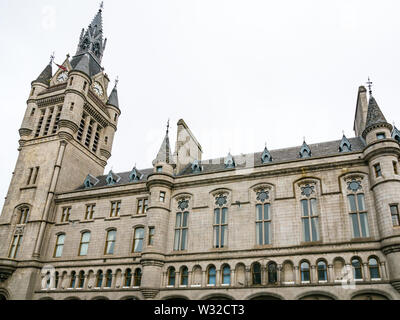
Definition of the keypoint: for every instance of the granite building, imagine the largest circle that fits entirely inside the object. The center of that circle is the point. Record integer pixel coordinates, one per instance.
(310, 222)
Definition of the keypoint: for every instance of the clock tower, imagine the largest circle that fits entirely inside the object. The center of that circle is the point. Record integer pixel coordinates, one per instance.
(67, 132)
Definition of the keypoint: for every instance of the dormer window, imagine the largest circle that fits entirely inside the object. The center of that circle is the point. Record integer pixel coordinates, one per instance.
(230, 162)
(345, 145)
(196, 168)
(305, 151)
(112, 178)
(135, 175)
(90, 181)
(266, 156)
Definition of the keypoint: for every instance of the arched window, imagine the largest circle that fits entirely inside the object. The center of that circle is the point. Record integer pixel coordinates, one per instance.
(211, 276)
(23, 215)
(16, 243)
(263, 219)
(305, 271)
(84, 245)
(171, 276)
(272, 273)
(108, 278)
(322, 271)
(73, 280)
(110, 242)
(59, 246)
(221, 222)
(99, 279)
(256, 273)
(81, 279)
(226, 275)
(138, 240)
(310, 220)
(357, 209)
(181, 230)
(137, 278)
(374, 268)
(48, 280)
(184, 276)
(357, 271)
(128, 278)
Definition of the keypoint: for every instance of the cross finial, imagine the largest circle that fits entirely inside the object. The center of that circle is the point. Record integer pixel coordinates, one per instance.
(168, 127)
(370, 83)
(101, 5)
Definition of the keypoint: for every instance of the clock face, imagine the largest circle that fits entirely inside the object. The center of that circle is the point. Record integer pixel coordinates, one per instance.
(62, 77)
(98, 89)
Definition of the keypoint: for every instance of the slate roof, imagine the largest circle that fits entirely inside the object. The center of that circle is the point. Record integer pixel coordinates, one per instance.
(279, 156)
(87, 64)
(113, 99)
(46, 75)
(374, 115)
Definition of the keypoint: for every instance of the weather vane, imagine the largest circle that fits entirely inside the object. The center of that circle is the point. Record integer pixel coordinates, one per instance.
(168, 127)
(370, 83)
(52, 57)
(116, 81)
(102, 5)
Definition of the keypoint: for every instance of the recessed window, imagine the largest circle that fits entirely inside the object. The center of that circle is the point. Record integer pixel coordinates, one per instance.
(59, 246)
(322, 271)
(71, 108)
(89, 211)
(142, 206)
(310, 220)
(23, 215)
(380, 136)
(211, 276)
(373, 268)
(256, 274)
(137, 277)
(15, 246)
(358, 215)
(162, 196)
(305, 272)
(115, 208)
(357, 268)
(84, 246)
(394, 210)
(378, 170)
(110, 242)
(184, 276)
(263, 224)
(84, 86)
(152, 232)
(81, 279)
(128, 278)
(181, 231)
(159, 169)
(395, 167)
(272, 273)
(33, 112)
(171, 276)
(115, 117)
(66, 212)
(138, 240)
(226, 275)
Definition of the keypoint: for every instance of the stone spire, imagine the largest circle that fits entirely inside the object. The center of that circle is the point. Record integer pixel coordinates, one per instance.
(113, 98)
(91, 43)
(165, 154)
(375, 117)
(46, 74)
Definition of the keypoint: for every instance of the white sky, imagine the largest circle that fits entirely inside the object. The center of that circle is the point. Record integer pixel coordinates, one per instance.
(239, 72)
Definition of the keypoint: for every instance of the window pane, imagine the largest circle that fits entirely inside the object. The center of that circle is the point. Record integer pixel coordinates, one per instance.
(306, 230)
(314, 211)
(177, 238)
(314, 226)
(216, 237)
(59, 251)
(364, 224)
(226, 275)
(304, 204)
(266, 232)
(185, 219)
(61, 239)
(224, 215)
(139, 233)
(110, 248)
(216, 216)
(361, 203)
(86, 237)
(259, 212)
(183, 245)
(224, 236)
(266, 211)
(356, 228)
(352, 203)
(211, 276)
(259, 233)
(138, 245)
(178, 220)
(111, 235)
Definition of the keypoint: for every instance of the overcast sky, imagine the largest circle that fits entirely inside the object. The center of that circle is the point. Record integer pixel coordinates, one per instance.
(239, 72)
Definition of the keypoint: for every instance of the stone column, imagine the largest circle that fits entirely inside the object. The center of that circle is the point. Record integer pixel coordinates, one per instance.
(383, 271)
(233, 280)
(366, 275)
(177, 279)
(249, 281)
(279, 274)
(313, 274)
(331, 275)
(189, 278)
(263, 275)
(218, 277)
(204, 279)
(296, 275)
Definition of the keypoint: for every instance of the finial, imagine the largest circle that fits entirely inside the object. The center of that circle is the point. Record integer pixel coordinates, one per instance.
(52, 57)
(68, 55)
(101, 5)
(168, 127)
(343, 132)
(370, 83)
(265, 144)
(304, 139)
(116, 81)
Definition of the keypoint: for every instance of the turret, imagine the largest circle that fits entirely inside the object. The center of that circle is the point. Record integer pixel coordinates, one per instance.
(382, 153)
(159, 185)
